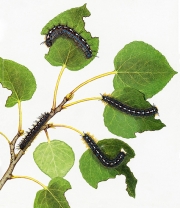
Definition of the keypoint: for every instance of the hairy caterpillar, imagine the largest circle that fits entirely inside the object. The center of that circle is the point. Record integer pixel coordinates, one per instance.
(27, 140)
(127, 109)
(62, 30)
(100, 155)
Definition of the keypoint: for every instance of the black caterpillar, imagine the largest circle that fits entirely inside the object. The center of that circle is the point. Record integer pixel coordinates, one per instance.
(129, 110)
(27, 140)
(60, 30)
(102, 158)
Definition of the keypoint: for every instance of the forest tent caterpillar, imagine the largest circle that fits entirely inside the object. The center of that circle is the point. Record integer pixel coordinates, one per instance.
(62, 30)
(30, 135)
(100, 155)
(127, 109)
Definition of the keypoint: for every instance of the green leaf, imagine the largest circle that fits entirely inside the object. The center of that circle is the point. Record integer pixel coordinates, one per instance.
(54, 195)
(94, 172)
(55, 158)
(125, 125)
(18, 79)
(131, 181)
(64, 50)
(142, 67)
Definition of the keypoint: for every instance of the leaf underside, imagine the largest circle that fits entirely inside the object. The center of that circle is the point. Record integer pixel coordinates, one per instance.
(55, 158)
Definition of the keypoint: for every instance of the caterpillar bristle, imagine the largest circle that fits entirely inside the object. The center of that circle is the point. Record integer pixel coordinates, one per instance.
(92, 137)
(122, 150)
(102, 95)
(33, 132)
(127, 109)
(100, 155)
(63, 30)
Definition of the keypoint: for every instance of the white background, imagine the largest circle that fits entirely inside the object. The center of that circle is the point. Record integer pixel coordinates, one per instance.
(116, 23)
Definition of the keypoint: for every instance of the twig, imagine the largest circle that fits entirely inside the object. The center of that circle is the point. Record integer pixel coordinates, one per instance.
(15, 158)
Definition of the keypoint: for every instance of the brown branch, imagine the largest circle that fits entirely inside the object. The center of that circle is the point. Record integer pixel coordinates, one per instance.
(15, 158)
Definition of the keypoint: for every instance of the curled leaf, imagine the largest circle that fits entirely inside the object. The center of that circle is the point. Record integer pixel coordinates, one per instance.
(94, 172)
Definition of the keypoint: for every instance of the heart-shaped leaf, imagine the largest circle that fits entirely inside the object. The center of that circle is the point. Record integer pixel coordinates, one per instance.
(55, 158)
(53, 196)
(18, 79)
(142, 67)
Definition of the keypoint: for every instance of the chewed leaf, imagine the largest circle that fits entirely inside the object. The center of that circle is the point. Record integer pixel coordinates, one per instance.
(65, 50)
(18, 79)
(94, 172)
(91, 168)
(142, 67)
(68, 17)
(131, 181)
(53, 196)
(125, 125)
(55, 158)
